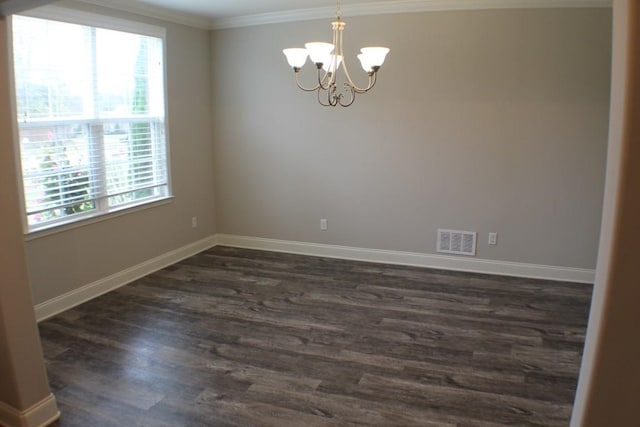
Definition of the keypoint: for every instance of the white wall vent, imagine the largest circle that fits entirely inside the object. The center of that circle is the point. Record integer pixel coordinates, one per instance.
(457, 242)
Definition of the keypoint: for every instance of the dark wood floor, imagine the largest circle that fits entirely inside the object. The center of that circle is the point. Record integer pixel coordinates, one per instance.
(248, 338)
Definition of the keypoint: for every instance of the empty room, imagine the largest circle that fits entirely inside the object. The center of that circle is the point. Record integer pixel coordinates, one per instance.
(319, 213)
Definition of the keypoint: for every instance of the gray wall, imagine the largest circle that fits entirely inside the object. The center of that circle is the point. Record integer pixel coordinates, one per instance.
(65, 261)
(481, 120)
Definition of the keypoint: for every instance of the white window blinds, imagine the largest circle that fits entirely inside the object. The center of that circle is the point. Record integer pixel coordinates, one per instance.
(91, 117)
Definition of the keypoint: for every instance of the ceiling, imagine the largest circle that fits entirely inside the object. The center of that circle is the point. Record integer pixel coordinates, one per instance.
(228, 8)
(234, 13)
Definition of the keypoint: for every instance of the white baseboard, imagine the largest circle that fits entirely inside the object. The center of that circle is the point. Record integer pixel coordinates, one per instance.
(413, 259)
(41, 414)
(85, 293)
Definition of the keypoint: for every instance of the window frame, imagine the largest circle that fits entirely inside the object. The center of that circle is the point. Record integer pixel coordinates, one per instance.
(73, 16)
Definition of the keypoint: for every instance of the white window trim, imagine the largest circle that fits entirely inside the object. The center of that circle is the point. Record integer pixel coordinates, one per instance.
(61, 228)
(73, 16)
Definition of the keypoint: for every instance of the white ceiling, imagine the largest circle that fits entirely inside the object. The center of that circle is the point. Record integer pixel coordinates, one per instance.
(233, 13)
(228, 8)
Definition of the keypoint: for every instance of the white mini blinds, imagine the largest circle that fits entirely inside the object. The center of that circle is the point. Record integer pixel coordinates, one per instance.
(91, 118)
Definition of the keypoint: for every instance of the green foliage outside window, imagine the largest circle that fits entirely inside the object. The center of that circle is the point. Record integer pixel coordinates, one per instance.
(65, 186)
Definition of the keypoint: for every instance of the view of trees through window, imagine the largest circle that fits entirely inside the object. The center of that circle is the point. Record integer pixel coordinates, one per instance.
(90, 106)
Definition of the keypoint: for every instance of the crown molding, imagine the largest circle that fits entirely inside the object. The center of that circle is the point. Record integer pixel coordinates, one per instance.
(361, 9)
(399, 6)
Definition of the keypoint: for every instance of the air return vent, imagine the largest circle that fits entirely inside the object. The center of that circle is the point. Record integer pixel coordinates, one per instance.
(457, 242)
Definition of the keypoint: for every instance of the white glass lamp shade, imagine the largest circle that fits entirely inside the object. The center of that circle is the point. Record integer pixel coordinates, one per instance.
(333, 64)
(319, 52)
(296, 56)
(365, 61)
(372, 57)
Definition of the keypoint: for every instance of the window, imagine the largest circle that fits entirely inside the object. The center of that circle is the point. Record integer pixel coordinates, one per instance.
(91, 119)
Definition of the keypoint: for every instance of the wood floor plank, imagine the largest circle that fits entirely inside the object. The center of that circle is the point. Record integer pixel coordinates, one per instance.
(236, 337)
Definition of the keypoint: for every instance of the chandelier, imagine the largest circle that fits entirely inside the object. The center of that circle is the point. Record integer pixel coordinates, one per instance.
(329, 59)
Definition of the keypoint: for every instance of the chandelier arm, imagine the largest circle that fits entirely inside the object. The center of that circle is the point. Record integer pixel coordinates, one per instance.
(338, 37)
(306, 89)
(321, 92)
(323, 82)
(320, 99)
(351, 99)
(337, 27)
(356, 88)
(372, 82)
(333, 96)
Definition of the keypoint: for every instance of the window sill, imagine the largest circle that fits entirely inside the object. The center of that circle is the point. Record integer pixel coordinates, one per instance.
(55, 229)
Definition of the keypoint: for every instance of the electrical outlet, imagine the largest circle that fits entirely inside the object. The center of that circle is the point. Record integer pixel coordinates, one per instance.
(194, 222)
(324, 225)
(493, 238)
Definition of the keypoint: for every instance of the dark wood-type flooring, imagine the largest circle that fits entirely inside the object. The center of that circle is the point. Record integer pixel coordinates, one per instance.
(235, 337)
